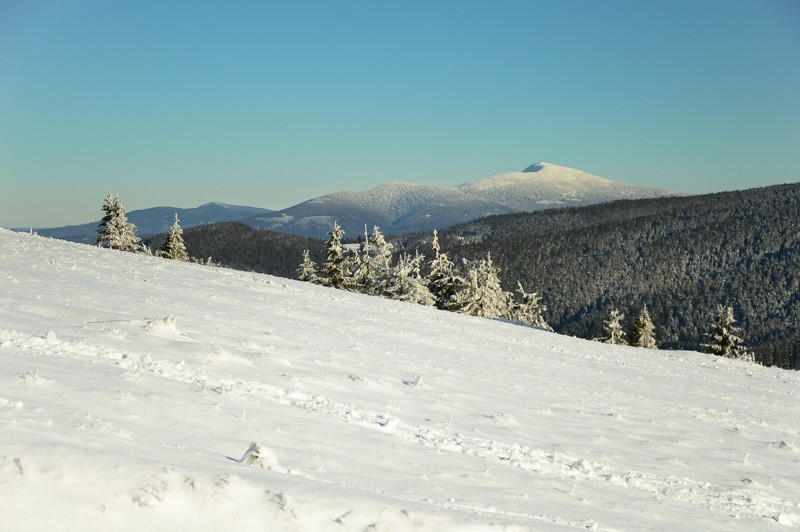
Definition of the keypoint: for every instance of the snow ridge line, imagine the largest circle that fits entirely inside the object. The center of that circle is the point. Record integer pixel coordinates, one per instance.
(536, 461)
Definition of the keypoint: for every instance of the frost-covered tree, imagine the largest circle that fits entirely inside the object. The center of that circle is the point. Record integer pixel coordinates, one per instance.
(615, 335)
(173, 246)
(308, 269)
(362, 272)
(724, 339)
(484, 296)
(381, 264)
(372, 267)
(115, 231)
(407, 283)
(337, 268)
(529, 309)
(643, 333)
(444, 282)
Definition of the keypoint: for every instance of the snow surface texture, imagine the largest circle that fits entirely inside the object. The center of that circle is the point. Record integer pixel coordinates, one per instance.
(139, 393)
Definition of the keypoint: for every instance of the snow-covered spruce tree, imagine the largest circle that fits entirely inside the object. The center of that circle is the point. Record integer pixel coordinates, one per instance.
(444, 282)
(337, 268)
(724, 339)
(115, 231)
(363, 265)
(643, 332)
(529, 309)
(615, 335)
(308, 269)
(484, 296)
(381, 270)
(406, 282)
(173, 246)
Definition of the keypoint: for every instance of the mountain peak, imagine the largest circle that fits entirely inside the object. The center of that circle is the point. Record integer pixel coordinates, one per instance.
(535, 167)
(553, 186)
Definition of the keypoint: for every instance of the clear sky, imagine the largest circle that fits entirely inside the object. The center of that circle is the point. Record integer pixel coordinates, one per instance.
(269, 103)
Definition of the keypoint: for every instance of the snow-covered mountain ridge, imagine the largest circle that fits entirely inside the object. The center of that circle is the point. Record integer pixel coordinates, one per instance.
(133, 388)
(544, 185)
(401, 207)
(397, 206)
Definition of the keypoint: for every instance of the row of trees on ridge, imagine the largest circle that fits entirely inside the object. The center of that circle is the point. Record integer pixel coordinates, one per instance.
(723, 340)
(371, 270)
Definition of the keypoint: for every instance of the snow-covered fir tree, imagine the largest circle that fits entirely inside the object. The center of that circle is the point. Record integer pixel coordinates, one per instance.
(444, 282)
(308, 269)
(615, 334)
(643, 332)
(337, 267)
(362, 272)
(406, 282)
(381, 270)
(115, 231)
(724, 339)
(173, 246)
(484, 296)
(529, 309)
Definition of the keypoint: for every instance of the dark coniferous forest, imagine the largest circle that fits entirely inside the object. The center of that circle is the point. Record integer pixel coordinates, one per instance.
(680, 256)
(239, 246)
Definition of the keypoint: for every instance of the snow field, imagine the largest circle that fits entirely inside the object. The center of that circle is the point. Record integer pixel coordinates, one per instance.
(133, 387)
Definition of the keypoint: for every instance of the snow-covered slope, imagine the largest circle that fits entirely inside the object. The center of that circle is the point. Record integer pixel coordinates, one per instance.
(544, 185)
(400, 207)
(132, 389)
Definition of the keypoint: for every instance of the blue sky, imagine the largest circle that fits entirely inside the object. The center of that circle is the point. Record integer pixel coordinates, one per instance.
(271, 103)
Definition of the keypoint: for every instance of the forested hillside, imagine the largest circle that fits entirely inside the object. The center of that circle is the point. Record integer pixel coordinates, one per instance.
(240, 246)
(679, 256)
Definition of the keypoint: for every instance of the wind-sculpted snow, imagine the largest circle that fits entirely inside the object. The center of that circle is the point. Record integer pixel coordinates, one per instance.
(143, 394)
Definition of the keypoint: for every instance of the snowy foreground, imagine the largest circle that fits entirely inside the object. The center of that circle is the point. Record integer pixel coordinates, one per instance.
(132, 388)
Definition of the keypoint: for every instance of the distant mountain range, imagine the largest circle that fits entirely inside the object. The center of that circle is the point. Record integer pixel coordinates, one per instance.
(397, 207)
(400, 207)
(158, 220)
